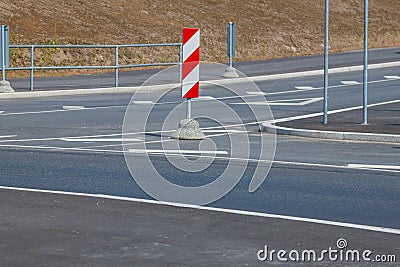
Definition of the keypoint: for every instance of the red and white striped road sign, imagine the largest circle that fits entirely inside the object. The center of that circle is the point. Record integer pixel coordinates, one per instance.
(191, 63)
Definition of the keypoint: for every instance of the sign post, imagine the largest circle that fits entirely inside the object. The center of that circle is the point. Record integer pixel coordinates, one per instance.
(326, 62)
(4, 59)
(230, 72)
(365, 69)
(189, 73)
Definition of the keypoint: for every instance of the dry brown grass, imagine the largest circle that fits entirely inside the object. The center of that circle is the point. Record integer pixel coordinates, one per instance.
(266, 29)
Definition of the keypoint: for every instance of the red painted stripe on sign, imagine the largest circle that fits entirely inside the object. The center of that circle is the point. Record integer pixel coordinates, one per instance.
(188, 33)
(187, 68)
(193, 92)
(194, 57)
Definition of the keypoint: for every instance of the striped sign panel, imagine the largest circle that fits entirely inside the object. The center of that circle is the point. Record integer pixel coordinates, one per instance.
(191, 63)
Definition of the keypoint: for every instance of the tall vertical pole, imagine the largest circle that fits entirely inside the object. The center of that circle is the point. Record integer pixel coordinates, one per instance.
(365, 71)
(32, 66)
(3, 54)
(230, 41)
(326, 62)
(116, 66)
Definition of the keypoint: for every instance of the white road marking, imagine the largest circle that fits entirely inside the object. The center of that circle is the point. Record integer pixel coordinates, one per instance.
(1, 111)
(58, 110)
(222, 131)
(8, 136)
(182, 151)
(142, 102)
(350, 82)
(305, 88)
(256, 93)
(392, 77)
(204, 98)
(332, 111)
(372, 166)
(73, 107)
(230, 211)
(100, 139)
(285, 102)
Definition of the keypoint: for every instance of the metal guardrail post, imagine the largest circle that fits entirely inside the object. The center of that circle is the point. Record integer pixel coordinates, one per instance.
(116, 65)
(32, 66)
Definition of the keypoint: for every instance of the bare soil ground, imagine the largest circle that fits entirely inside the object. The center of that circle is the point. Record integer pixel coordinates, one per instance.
(265, 29)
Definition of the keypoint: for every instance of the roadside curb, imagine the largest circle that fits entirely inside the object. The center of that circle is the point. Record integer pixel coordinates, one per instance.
(119, 90)
(269, 127)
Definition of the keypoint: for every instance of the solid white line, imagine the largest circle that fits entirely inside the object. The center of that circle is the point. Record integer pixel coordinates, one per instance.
(1, 111)
(255, 93)
(230, 211)
(223, 131)
(182, 151)
(372, 166)
(144, 102)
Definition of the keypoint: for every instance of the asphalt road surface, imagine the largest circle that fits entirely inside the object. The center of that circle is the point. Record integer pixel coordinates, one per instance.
(74, 144)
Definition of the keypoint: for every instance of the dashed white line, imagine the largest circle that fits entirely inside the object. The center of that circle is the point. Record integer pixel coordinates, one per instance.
(392, 77)
(350, 82)
(100, 139)
(305, 88)
(73, 107)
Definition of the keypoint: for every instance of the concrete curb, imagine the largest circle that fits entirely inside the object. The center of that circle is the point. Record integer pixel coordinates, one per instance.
(119, 90)
(269, 127)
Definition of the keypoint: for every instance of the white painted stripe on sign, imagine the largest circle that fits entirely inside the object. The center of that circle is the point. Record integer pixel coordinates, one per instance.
(350, 82)
(73, 107)
(193, 76)
(230, 211)
(160, 151)
(191, 45)
(392, 77)
(372, 166)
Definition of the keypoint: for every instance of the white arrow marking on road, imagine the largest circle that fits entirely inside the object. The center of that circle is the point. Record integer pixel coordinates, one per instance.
(305, 88)
(73, 107)
(285, 102)
(350, 82)
(392, 77)
(160, 151)
(100, 139)
(380, 167)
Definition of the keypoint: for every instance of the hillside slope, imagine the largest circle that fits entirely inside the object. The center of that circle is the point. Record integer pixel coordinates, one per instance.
(265, 29)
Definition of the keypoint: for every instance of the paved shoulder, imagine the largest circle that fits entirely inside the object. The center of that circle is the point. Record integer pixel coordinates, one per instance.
(43, 229)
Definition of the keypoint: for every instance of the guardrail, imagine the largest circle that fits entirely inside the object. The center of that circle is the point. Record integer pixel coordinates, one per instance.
(116, 67)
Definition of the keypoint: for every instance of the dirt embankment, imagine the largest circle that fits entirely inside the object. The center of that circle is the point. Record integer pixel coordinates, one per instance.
(265, 29)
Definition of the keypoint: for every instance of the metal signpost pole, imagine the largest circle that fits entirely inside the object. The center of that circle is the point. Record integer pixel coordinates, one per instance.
(326, 61)
(3, 61)
(230, 43)
(365, 71)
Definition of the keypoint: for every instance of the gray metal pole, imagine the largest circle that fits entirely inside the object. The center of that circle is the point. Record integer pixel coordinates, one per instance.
(230, 27)
(326, 62)
(189, 108)
(3, 61)
(365, 71)
(116, 66)
(32, 66)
